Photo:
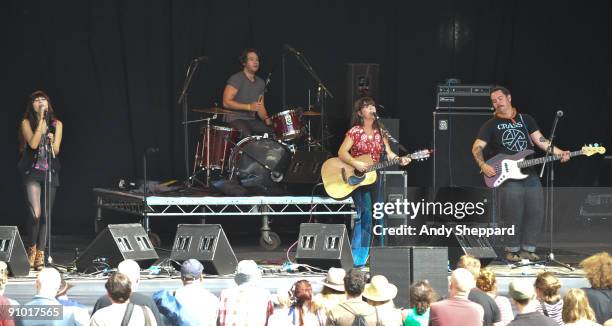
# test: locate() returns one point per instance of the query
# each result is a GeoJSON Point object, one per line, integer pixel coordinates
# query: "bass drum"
{"type": "Point", "coordinates": [250, 172]}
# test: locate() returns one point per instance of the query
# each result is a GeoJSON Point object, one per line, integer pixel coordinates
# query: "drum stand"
{"type": "Point", "coordinates": [192, 177]}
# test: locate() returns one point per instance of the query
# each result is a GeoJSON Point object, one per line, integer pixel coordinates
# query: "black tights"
{"type": "Point", "coordinates": [37, 219]}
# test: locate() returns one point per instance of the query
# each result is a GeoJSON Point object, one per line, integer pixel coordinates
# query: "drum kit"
{"type": "Point", "coordinates": [257, 161]}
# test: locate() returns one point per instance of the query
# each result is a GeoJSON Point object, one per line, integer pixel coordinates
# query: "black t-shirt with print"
{"type": "Point", "coordinates": [504, 136]}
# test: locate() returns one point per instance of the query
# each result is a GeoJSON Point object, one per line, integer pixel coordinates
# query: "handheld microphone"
{"type": "Point", "coordinates": [201, 59]}
{"type": "Point", "coordinates": [560, 113]}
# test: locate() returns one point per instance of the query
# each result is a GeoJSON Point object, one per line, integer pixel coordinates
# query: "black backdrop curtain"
{"type": "Point", "coordinates": [114, 70]}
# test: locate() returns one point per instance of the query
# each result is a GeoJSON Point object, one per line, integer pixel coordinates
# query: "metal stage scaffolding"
{"type": "Point", "coordinates": [203, 206]}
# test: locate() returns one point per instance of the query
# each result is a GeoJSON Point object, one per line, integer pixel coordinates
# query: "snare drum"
{"type": "Point", "coordinates": [249, 155]}
{"type": "Point", "coordinates": [287, 125]}
{"type": "Point", "coordinates": [214, 149]}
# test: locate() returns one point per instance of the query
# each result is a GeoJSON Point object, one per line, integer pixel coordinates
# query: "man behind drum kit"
{"type": "Point", "coordinates": [244, 94]}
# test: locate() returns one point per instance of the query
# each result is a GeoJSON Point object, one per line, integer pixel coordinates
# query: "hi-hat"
{"type": "Point", "coordinates": [213, 110]}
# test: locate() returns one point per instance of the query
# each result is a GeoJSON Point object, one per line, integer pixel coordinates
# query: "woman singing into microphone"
{"type": "Point", "coordinates": [364, 138]}
{"type": "Point", "coordinates": [40, 136]}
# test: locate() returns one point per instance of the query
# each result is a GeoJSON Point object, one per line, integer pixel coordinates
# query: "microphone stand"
{"type": "Point", "coordinates": [47, 191]}
{"type": "Point", "coordinates": [324, 91]}
{"type": "Point", "coordinates": [549, 208]}
{"type": "Point", "coordinates": [191, 69]}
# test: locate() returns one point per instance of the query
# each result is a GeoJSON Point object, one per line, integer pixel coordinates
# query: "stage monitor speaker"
{"type": "Point", "coordinates": [453, 135]}
{"type": "Point", "coordinates": [403, 266]}
{"type": "Point", "coordinates": [12, 251]}
{"type": "Point", "coordinates": [206, 243]}
{"type": "Point", "coordinates": [362, 79]}
{"type": "Point", "coordinates": [118, 242]}
{"type": "Point", "coordinates": [305, 167]}
{"type": "Point", "coordinates": [324, 246]}
{"type": "Point", "coordinates": [479, 247]}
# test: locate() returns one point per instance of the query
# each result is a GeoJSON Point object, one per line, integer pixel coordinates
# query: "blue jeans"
{"type": "Point", "coordinates": [364, 199]}
{"type": "Point", "coordinates": [522, 205]}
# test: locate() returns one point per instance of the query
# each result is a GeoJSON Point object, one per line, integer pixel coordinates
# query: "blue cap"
{"type": "Point", "coordinates": [191, 268]}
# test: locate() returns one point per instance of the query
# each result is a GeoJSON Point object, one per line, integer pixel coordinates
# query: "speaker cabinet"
{"type": "Point", "coordinates": [362, 79]}
{"type": "Point", "coordinates": [305, 167]}
{"type": "Point", "coordinates": [12, 251]}
{"type": "Point", "coordinates": [206, 243]}
{"type": "Point", "coordinates": [324, 246]}
{"type": "Point", "coordinates": [118, 242]}
{"type": "Point", "coordinates": [403, 266]}
{"type": "Point", "coordinates": [453, 135]}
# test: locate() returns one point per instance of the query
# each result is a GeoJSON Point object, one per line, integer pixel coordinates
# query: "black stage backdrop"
{"type": "Point", "coordinates": [114, 70]}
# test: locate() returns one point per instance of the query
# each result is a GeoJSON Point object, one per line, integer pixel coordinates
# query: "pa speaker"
{"type": "Point", "coordinates": [453, 135]}
{"type": "Point", "coordinates": [12, 251]}
{"type": "Point", "coordinates": [479, 247]}
{"type": "Point", "coordinates": [206, 243]}
{"type": "Point", "coordinates": [403, 266]}
{"type": "Point", "coordinates": [305, 167]}
{"type": "Point", "coordinates": [118, 242]}
{"type": "Point", "coordinates": [324, 246]}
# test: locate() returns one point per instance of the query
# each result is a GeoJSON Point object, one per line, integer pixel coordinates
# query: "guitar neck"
{"type": "Point", "coordinates": [385, 164]}
{"type": "Point", "coordinates": [545, 159]}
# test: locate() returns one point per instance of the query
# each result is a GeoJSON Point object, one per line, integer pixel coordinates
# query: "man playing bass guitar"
{"type": "Point", "coordinates": [364, 138]}
{"type": "Point", "coordinates": [521, 201]}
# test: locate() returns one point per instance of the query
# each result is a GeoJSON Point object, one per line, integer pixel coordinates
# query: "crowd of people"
{"type": "Point", "coordinates": [346, 298]}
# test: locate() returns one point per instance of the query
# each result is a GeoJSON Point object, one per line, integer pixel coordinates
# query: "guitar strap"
{"type": "Point", "coordinates": [526, 130]}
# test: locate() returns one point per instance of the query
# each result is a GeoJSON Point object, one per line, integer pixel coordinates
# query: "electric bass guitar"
{"type": "Point", "coordinates": [509, 166]}
{"type": "Point", "coordinates": [341, 179]}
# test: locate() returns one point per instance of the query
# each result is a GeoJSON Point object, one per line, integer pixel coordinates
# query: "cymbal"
{"type": "Point", "coordinates": [213, 110]}
{"type": "Point", "coordinates": [311, 113]}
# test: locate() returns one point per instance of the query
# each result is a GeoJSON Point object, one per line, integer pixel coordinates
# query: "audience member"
{"type": "Point", "coordinates": [547, 288]}
{"type": "Point", "coordinates": [80, 311]}
{"type": "Point", "coordinates": [332, 292]}
{"type": "Point", "coordinates": [457, 310]}
{"type": "Point", "coordinates": [190, 304]}
{"type": "Point", "coordinates": [576, 309]}
{"type": "Point", "coordinates": [422, 295]}
{"type": "Point", "coordinates": [131, 269]}
{"type": "Point", "coordinates": [598, 270]}
{"type": "Point", "coordinates": [4, 282]}
{"type": "Point", "coordinates": [487, 283]}
{"type": "Point", "coordinates": [4, 301]}
{"type": "Point", "coordinates": [121, 311]}
{"type": "Point", "coordinates": [354, 309]}
{"type": "Point", "coordinates": [523, 296]}
{"type": "Point", "coordinates": [282, 302]}
{"type": "Point", "coordinates": [491, 311]}
{"type": "Point", "coordinates": [248, 303]}
{"type": "Point", "coordinates": [379, 293]}
{"type": "Point", "coordinates": [47, 284]}
{"type": "Point", "coordinates": [302, 312]}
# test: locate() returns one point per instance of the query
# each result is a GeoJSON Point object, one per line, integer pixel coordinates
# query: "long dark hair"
{"type": "Point", "coordinates": [356, 119]}
{"type": "Point", "coordinates": [31, 117]}
{"type": "Point", "coordinates": [421, 296]}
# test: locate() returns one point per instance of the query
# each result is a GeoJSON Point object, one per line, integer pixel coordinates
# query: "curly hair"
{"type": "Point", "coordinates": [421, 296]}
{"type": "Point", "coordinates": [354, 282]}
{"type": "Point", "coordinates": [486, 281]}
{"type": "Point", "coordinates": [549, 285]}
{"type": "Point", "coordinates": [597, 269]}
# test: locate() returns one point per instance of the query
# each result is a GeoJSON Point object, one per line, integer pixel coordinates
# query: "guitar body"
{"type": "Point", "coordinates": [340, 180]}
{"type": "Point", "coordinates": [506, 168]}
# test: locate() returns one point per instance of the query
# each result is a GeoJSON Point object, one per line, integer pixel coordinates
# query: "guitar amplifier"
{"type": "Point", "coordinates": [463, 97]}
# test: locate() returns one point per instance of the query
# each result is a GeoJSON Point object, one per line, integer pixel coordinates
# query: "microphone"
{"type": "Point", "coordinates": [201, 59]}
{"type": "Point", "coordinates": [375, 115]}
{"type": "Point", "coordinates": [560, 113]}
{"type": "Point", "coordinates": [152, 150]}
{"type": "Point", "coordinates": [289, 48]}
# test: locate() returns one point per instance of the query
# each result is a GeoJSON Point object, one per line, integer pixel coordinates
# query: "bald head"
{"type": "Point", "coordinates": [461, 282]}
{"type": "Point", "coordinates": [48, 282]}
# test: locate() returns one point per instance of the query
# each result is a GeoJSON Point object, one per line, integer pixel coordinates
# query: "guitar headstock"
{"type": "Point", "coordinates": [421, 155]}
{"type": "Point", "coordinates": [593, 149]}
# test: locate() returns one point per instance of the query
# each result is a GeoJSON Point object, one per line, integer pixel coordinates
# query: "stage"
{"type": "Point", "coordinates": [88, 288]}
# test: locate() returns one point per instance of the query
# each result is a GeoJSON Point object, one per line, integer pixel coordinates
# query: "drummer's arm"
{"type": "Point", "coordinates": [263, 113]}
{"type": "Point", "coordinates": [228, 100]}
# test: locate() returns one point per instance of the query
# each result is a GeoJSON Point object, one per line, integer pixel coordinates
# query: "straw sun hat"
{"type": "Point", "coordinates": [379, 289]}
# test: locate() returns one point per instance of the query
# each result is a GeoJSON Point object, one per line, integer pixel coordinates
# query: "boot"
{"type": "Point", "coordinates": [39, 260]}
{"type": "Point", "coordinates": [31, 255]}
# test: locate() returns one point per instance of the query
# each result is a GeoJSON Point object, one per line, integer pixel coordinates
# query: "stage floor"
{"type": "Point", "coordinates": [88, 288]}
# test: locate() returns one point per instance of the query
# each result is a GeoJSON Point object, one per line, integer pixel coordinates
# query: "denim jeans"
{"type": "Point", "coordinates": [364, 199]}
{"type": "Point", "coordinates": [522, 205]}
